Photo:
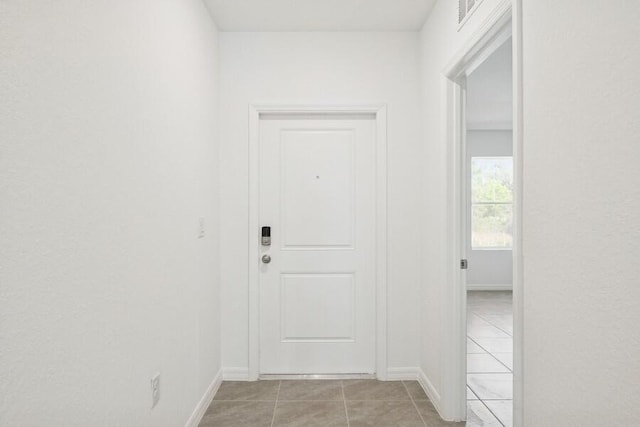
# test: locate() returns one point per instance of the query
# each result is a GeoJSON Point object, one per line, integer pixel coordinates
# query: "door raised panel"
{"type": "Point", "coordinates": [317, 170]}
{"type": "Point", "coordinates": [317, 307]}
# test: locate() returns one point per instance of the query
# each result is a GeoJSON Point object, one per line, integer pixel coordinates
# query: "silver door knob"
{"type": "Point", "coordinates": [266, 259]}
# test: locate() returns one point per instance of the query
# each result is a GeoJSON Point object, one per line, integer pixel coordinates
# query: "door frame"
{"type": "Point", "coordinates": [504, 21]}
{"type": "Point", "coordinates": [379, 111]}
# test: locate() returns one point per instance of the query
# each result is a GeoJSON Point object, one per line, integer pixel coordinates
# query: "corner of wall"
{"type": "Point", "coordinates": [205, 401]}
{"type": "Point", "coordinates": [430, 390]}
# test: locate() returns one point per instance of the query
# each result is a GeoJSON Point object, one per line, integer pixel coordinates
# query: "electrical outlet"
{"type": "Point", "coordinates": [155, 390]}
{"type": "Point", "coordinates": [201, 228]}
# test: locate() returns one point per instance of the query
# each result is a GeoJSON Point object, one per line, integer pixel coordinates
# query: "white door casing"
{"type": "Point", "coordinates": [317, 295]}
{"type": "Point", "coordinates": [503, 22]}
{"type": "Point", "coordinates": [378, 112]}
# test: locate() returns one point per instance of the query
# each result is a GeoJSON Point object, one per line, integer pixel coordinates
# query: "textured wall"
{"type": "Point", "coordinates": [581, 212]}
{"type": "Point", "coordinates": [440, 39]}
{"type": "Point", "coordinates": [581, 206]}
{"type": "Point", "coordinates": [327, 68]}
{"type": "Point", "coordinates": [108, 153]}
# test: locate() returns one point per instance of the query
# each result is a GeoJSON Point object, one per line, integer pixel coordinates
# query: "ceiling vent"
{"type": "Point", "coordinates": [465, 7]}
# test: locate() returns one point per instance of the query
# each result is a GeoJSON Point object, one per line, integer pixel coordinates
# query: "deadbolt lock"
{"type": "Point", "coordinates": [266, 236]}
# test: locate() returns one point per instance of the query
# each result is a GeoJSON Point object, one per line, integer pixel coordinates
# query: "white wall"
{"type": "Point", "coordinates": [490, 92]}
{"type": "Point", "coordinates": [487, 268]}
{"type": "Point", "coordinates": [108, 147]}
{"type": "Point", "coordinates": [582, 212]}
{"type": "Point", "coordinates": [581, 206]}
{"type": "Point", "coordinates": [324, 68]}
{"type": "Point", "coordinates": [439, 41]}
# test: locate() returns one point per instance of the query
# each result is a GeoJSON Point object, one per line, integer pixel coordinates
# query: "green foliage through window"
{"type": "Point", "coordinates": [491, 202]}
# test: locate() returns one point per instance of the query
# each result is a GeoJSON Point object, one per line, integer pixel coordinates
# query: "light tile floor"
{"type": "Point", "coordinates": [489, 359]}
{"type": "Point", "coordinates": [311, 403]}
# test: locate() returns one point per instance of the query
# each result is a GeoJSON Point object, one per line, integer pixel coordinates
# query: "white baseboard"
{"type": "Point", "coordinates": [431, 391]}
{"type": "Point", "coordinates": [235, 374]}
{"type": "Point", "coordinates": [204, 403]}
{"type": "Point", "coordinates": [404, 374]}
{"type": "Point", "coordinates": [489, 287]}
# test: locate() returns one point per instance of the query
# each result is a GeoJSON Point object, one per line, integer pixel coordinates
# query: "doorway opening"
{"type": "Point", "coordinates": [488, 180]}
{"type": "Point", "coordinates": [485, 187]}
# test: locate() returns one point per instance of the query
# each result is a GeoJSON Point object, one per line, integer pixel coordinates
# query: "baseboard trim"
{"type": "Point", "coordinates": [204, 403]}
{"type": "Point", "coordinates": [430, 390]}
{"type": "Point", "coordinates": [235, 374]}
{"type": "Point", "coordinates": [489, 287]}
{"type": "Point", "coordinates": [403, 374]}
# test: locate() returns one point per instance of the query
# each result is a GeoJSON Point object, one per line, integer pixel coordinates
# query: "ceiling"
{"type": "Point", "coordinates": [320, 15]}
{"type": "Point", "coordinates": [490, 92]}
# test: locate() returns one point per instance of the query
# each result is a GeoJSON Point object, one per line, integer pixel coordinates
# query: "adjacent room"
{"type": "Point", "coordinates": [489, 239]}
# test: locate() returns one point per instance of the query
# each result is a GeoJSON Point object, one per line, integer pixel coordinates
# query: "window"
{"type": "Point", "coordinates": [491, 202]}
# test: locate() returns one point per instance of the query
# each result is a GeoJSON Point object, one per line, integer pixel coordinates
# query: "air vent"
{"type": "Point", "coordinates": [465, 7]}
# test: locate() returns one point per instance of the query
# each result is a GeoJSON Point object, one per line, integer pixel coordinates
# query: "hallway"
{"type": "Point", "coordinates": [196, 194]}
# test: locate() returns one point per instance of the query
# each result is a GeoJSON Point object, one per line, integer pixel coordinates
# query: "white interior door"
{"type": "Point", "coordinates": [317, 295]}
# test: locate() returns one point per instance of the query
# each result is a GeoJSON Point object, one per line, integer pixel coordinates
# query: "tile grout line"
{"type": "Point", "coordinates": [491, 353]}
{"type": "Point", "coordinates": [414, 404]}
{"type": "Point", "coordinates": [495, 400]}
{"type": "Point", "coordinates": [509, 371]}
{"type": "Point", "coordinates": [483, 401]}
{"type": "Point", "coordinates": [492, 324]}
{"type": "Point", "coordinates": [476, 343]}
{"type": "Point", "coordinates": [503, 364]}
{"type": "Point", "coordinates": [389, 400]}
{"type": "Point", "coordinates": [344, 400]}
{"type": "Point", "coordinates": [275, 405]}
{"type": "Point", "coordinates": [494, 415]}
{"type": "Point", "coordinates": [493, 312]}
{"type": "Point", "coordinates": [509, 338]}
{"type": "Point", "coordinates": [474, 393]}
